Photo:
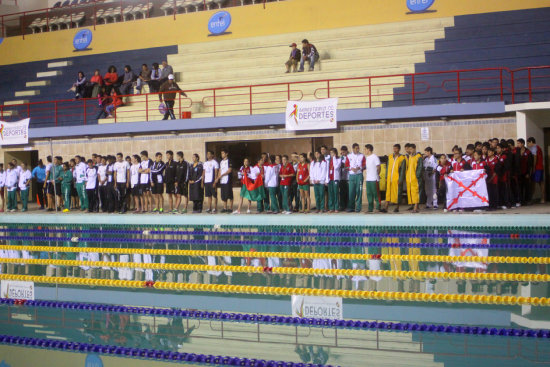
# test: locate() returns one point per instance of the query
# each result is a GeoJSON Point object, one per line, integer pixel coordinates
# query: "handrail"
{"type": "Point", "coordinates": [501, 83]}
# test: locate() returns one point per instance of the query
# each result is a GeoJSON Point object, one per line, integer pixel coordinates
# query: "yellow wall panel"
{"type": "Point", "coordinates": [247, 21]}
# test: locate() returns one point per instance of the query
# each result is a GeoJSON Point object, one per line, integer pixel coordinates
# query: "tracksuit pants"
{"type": "Point", "coordinates": [355, 199]}
{"type": "Point", "coordinates": [121, 197]}
{"type": "Point", "coordinates": [373, 195]}
{"type": "Point", "coordinates": [82, 196]}
{"type": "Point", "coordinates": [319, 190]}
{"type": "Point", "coordinates": [274, 207]}
{"type": "Point", "coordinates": [286, 202]}
{"type": "Point", "coordinates": [102, 195]}
{"type": "Point", "coordinates": [344, 194]}
{"type": "Point", "coordinates": [12, 200]}
{"type": "Point", "coordinates": [24, 199]}
{"type": "Point", "coordinates": [92, 199]}
{"type": "Point", "coordinates": [430, 189]}
{"type": "Point", "coordinates": [66, 192]}
{"type": "Point", "coordinates": [333, 195]}
{"type": "Point", "coordinates": [295, 196]}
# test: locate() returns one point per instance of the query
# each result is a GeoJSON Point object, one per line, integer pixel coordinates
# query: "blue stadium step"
{"type": "Point", "coordinates": [503, 31]}
{"type": "Point", "coordinates": [504, 17]}
{"type": "Point", "coordinates": [496, 52]}
{"type": "Point", "coordinates": [514, 40]}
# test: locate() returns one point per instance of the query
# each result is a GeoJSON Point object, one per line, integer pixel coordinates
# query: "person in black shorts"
{"type": "Point", "coordinates": [170, 179]}
{"type": "Point", "coordinates": [145, 181]}
{"type": "Point", "coordinates": [74, 193]}
{"type": "Point", "coordinates": [157, 183]}
{"type": "Point", "coordinates": [225, 181]}
{"type": "Point", "coordinates": [182, 178]}
{"type": "Point", "coordinates": [209, 175]}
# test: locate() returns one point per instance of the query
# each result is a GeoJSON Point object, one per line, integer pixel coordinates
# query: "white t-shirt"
{"type": "Point", "coordinates": [48, 169]}
{"type": "Point", "coordinates": [254, 172]}
{"type": "Point", "coordinates": [224, 167]}
{"type": "Point", "coordinates": [24, 176]}
{"type": "Point", "coordinates": [91, 178]}
{"type": "Point", "coordinates": [209, 170]}
{"type": "Point", "coordinates": [102, 173]}
{"type": "Point", "coordinates": [144, 178]}
{"type": "Point", "coordinates": [134, 174]}
{"type": "Point", "coordinates": [121, 168]}
{"type": "Point", "coordinates": [372, 172]}
{"type": "Point", "coordinates": [80, 172]}
{"type": "Point", "coordinates": [270, 177]}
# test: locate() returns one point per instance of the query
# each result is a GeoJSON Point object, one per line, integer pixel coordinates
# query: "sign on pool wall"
{"type": "Point", "coordinates": [317, 307]}
{"type": "Point", "coordinates": [82, 39]}
{"type": "Point", "coordinates": [14, 289]}
{"type": "Point", "coordinates": [219, 23]}
{"type": "Point", "coordinates": [312, 115]}
{"type": "Point", "coordinates": [418, 6]}
{"type": "Point", "coordinates": [13, 133]}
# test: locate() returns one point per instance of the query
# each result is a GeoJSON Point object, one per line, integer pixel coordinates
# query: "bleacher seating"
{"type": "Point", "coordinates": [513, 39]}
{"type": "Point", "coordinates": [56, 76]}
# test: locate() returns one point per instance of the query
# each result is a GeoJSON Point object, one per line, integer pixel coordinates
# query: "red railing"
{"type": "Point", "coordinates": [454, 86]}
{"type": "Point", "coordinates": [21, 23]}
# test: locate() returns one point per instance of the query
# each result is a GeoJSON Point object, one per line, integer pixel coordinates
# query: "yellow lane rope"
{"type": "Point", "coordinates": [286, 291]}
{"type": "Point", "coordinates": [290, 270]}
{"type": "Point", "coordinates": [290, 255]}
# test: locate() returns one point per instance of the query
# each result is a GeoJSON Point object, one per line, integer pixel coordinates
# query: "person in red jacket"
{"type": "Point", "coordinates": [110, 79]}
{"type": "Point", "coordinates": [492, 178]}
{"type": "Point", "coordinates": [503, 172]}
{"type": "Point", "coordinates": [286, 173]}
{"type": "Point", "coordinates": [115, 102]}
{"type": "Point", "coordinates": [525, 172]}
{"type": "Point", "coordinates": [538, 164]}
{"type": "Point", "coordinates": [302, 176]}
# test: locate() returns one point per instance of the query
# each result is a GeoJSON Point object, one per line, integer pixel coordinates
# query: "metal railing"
{"type": "Point", "coordinates": [454, 86]}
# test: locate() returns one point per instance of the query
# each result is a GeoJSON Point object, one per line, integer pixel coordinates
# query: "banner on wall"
{"type": "Point", "coordinates": [317, 307]}
{"type": "Point", "coordinates": [312, 115]}
{"type": "Point", "coordinates": [467, 189]}
{"type": "Point", "coordinates": [13, 133]}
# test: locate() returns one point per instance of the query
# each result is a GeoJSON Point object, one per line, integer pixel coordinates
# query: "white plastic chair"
{"type": "Point", "coordinates": [167, 6]}
{"type": "Point", "coordinates": [219, 2]}
{"type": "Point", "coordinates": [126, 12]}
{"type": "Point", "coordinates": [78, 18]}
{"type": "Point", "coordinates": [107, 14]}
{"type": "Point", "coordinates": [64, 20]}
{"type": "Point", "coordinates": [99, 15]}
{"type": "Point", "coordinates": [196, 4]}
{"type": "Point", "coordinates": [146, 9]}
{"type": "Point", "coordinates": [136, 10]}
{"type": "Point", "coordinates": [53, 22]}
{"type": "Point", "coordinates": [34, 25]}
{"type": "Point", "coordinates": [115, 14]}
{"type": "Point", "coordinates": [187, 4]}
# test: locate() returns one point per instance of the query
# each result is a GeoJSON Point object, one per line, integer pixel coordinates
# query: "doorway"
{"type": "Point", "coordinates": [30, 157]}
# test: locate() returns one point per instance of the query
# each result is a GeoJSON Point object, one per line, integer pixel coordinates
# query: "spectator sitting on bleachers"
{"type": "Point", "coordinates": [95, 83]}
{"type": "Point", "coordinates": [114, 103]}
{"type": "Point", "coordinates": [127, 81]}
{"type": "Point", "coordinates": [166, 70]}
{"type": "Point", "coordinates": [154, 83]}
{"type": "Point", "coordinates": [309, 53]}
{"type": "Point", "coordinates": [168, 90]}
{"type": "Point", "coordinates": [111, 80]}
{"type": "Point", "coordinates": [144, 77]}
{"type": "Point", "coordinates": [79, 85]}
{"type": "Point", "coordinates": [295, 56]}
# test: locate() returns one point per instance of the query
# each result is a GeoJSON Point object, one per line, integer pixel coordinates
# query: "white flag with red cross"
{"type": "Point", "coordinates": [467, 189]}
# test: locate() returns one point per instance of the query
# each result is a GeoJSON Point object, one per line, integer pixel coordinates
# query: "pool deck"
{"type": "Point", "coordinates": [529, 216]}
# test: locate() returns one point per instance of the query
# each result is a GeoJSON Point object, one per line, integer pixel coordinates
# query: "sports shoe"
{"type": "Point", "coordinates": [213, 211]}
{"type": "Point", "coordinates": [155, 210]}
{"type": "Point", "coordinates": [184, 211]}
{"type": "Point", "coordinates": [518, 205]}
{"type": "Point", "coordinates": [504, 207]}
{"type": "Point", "coordinates": [161, 210]}
{"type": "Point", "coordinates": [207, 210]}
{"type": "Point", "coordinates": [174, 211]}
{"type": "Point", "coordinates": [248, 211]}
{"type": "Point", "coordinates": [236, 212]}
{"type": "Point", "coordinates": [66, 210]}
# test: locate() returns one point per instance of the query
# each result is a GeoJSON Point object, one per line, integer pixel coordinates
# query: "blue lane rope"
{"type": "Point", "coordinates": [511, 246]}
{"type": "Point", "coordinates": [287, 320]}
{"type": "Point", "coordinates": [288, 234]}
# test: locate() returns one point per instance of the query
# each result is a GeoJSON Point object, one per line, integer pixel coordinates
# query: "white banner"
{"type": "Point", "coordinates": [317, 307]}
{"type": "Point", "coordinates": [466, 247]}
{"type": "Point", "coordinates": [13, 133]}
{"type": "Point", "coordinates": [467, 189]}
{"type": "Point", "coordinates": [313, 115]}
{"type": "Point", "coordinates": [16, 289]}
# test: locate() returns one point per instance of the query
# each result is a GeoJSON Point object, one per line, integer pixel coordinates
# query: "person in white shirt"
{"type": "Point", "coordinates": [49, 186]}
{"type": "Point", "coordinates": [25, 179]}
{"type": "Point", "coordinates": [318, 177]}
{"type": "Point", "coordinates": [210, 173]}
{"type": "Point", "coordinates": [91, 187]}
{"type": "Point", "coordinates": [102, 183]}
{"type": "Point", "coordinates": [333, 180]}
{"type": "Point", "coordinates": [271, 182]}
{"type": "Point", "coordinates": [2, 186]}
{"type": "Point", "coordinates": [356, 163]}
{"type": "Point", "coordinates": [80, 181]}
{"type": "Point", "coordinates": [430, 166]}
{"type": "Point", "coordinates": [326, 156]}
{"type": "Point", "coordinates": [122, 174]}
{"type": "Point", "coordinates": [135, 187]}
{"type": "Point", "coordinates": [372, 170]}
{"type": "Point", "coordinates": [145, 182]}
{"type": "Point", "coordinates": [225, 180]}
{"type": "Point", "coordinates": [12, 179]}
